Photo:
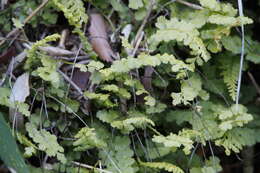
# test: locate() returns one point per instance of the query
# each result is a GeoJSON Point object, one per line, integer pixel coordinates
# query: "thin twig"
{"type": "Point", "coordinates": [17, 30]}
{"type": "Point", "coordinates": [64, 35]}
{"type": "Point", "coordinates": [35, 11]}
{"type": "Point", "coordinates": [89, 167]}
{"type": "Point", "coordinates": [254, 82]}
{"type": "Point", "coordinates": [75, 86]}
{"type": "Point", "coordinates": [141, 28]}
{"type": "Point", "coordinates": [194, 6]}
{"type": "Point", "coordinates": [138, 42]}
{"type": "Point", "coordinates": [66, 106]}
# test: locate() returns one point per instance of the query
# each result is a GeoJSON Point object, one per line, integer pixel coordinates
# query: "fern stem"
{"type": "Point", "coordinates": [240, 7]}
{"type": "Point", "coordinates": [194, 6]}
{"type": "Point", "coordinates": [44, 2]}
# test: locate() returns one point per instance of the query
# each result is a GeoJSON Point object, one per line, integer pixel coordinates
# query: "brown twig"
{"type": "Point", "coordinates": [44, 2]}
{"type": "Point", "coordinates": [80, 58]}
{"type": "Point", "coordinates": [141, 28]}
{"type": "Point", "coordinates": [89, 167]}
{"type": "Point", "coordinates": [138, 42]}
{"type": "Point", "coordinates": [71, 83]}
{"type": "Point", "coordinates": [254, 82]}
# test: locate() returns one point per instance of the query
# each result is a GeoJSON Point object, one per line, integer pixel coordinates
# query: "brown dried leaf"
{"type": "Point", "coordinates": [80, 78]}
{"type": "Point", "coordinates": [20, 91]}
{"type": "Point", "coordinates": [98, 37]}
{"type": "Point", "coordinates": [7, 55]}
{"type": "Point", "coordinates": [56, 51]}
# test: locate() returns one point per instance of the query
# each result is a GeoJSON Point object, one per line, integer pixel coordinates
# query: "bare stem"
{"type": "Point", "coordinates": [254, 82]}
{"type": "Point", "coordinates": [141, 28]}
{"type": "Point", "coordinates": [89, 167]}
{"type": "Point", "coordinates": [194, 6]}
{"type": "Point", "coordinates": [71, 83]}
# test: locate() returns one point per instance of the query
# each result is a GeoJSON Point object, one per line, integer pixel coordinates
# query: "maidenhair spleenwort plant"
{"type": "Point", "coordinates": [127, 119]}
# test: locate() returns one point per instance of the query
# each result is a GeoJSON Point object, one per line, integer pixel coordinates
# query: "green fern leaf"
{"type": "Point", "coordinates": [223, 8]}
{"type": "Point", "coordinates": [210, 4]}
{"type": "Point", "coordinates": [190, 89]}
{"type": "Point", "coordinates": [175, 141]}
{"type": "Point", "coordinates": [100, 98]}
{"type": "Point", "coordinates": [126, 125]}
{"type": "Point", "coordinates": [129, 124]}
{"type": "Point", "coordinates": [235, 139]}
{"type": "Point", "coordinates": [211, 166]}
{"type": "Point", "coordinates": [118, 156]}
{"type": "Point", "coordinates": [32, 54]}
{"type": "Point", "coordinates": [30, 148]}
{"type": "Point", "coordinates": [121, 92]}
{"type": "Point", "coordinates": [87, 139]}
{"type": "Point", "coordinates": [49, 71]}
{"type": "Point", "coordinates": [46, 142]}
{"type": "Point", "coordinates": [229, 21]}
{"type": "Point", "coordinates": [126, 64]}
{"type": "Point", "coordinates": [135, 4]}
{"type": "Point", "coordinates": [230, 70]}
{"type": "Point", "coordinates": [181, 31]}
{"type": "Point", "coordinates": [162, 165]}
{"type": "Point", "coordinates": [73, 10]}
{"type": "Point", "coordinates": [234, 116]}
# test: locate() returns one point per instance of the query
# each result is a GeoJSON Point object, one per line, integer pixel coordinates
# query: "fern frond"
{"type": "Point", "coordinates": [30, 148]}
{"type": "Point", "coordinates": [126, 125]}
{"type": "Point", "coordinates": [87, 139]}
{"type": "Point", "coordinates": [181, 31]}
{"type": "Point", "coordinates": [211, 165]}
{"type": "Point", "coordinates": [46, 142]}
{"type": "Point", "coordinates": [32, 53]}
{"type": "Point", "coordinates": [229, 21]}
{"type": "Point", "coordinates": [100, 98]}
{"type": "Point", "coordinates": [173, 140]}
{"type": "Point", "coordinates": [162, 165]}
{"type": "Point", "coordinates": [115, 89]}
{"type": "Point", "coordinates": [235, 139]}
{"type": "Point", "coordinates": [126, 64]}
{"type": "Point", "coordinates": [118, 156]}
{"type": "Point", "coordinates": [190, 89]}
{"type": "Point", "coordinates": [230, 70]}
{"type": "Point", "coordinates": [235, 116]}
{"type": "Point", "coordinates": [73, 10]}
{"type": "Point", "coordinates": [129, 124]}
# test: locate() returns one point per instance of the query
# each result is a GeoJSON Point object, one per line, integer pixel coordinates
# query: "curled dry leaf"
{"type": "Point", "coordinates": [20, 89]}
{"type": "Point", "coordinates": [98, 37]}
{"type": "Point", "coordinates": [56, 51]}
{"type": "Point", "coordinates": [19, 93]}
{"type": "Point", "coordinates": [81, 79]}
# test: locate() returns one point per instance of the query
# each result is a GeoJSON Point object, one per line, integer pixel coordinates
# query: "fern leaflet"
{"type": "Point", "coordinates": [162, 165]}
